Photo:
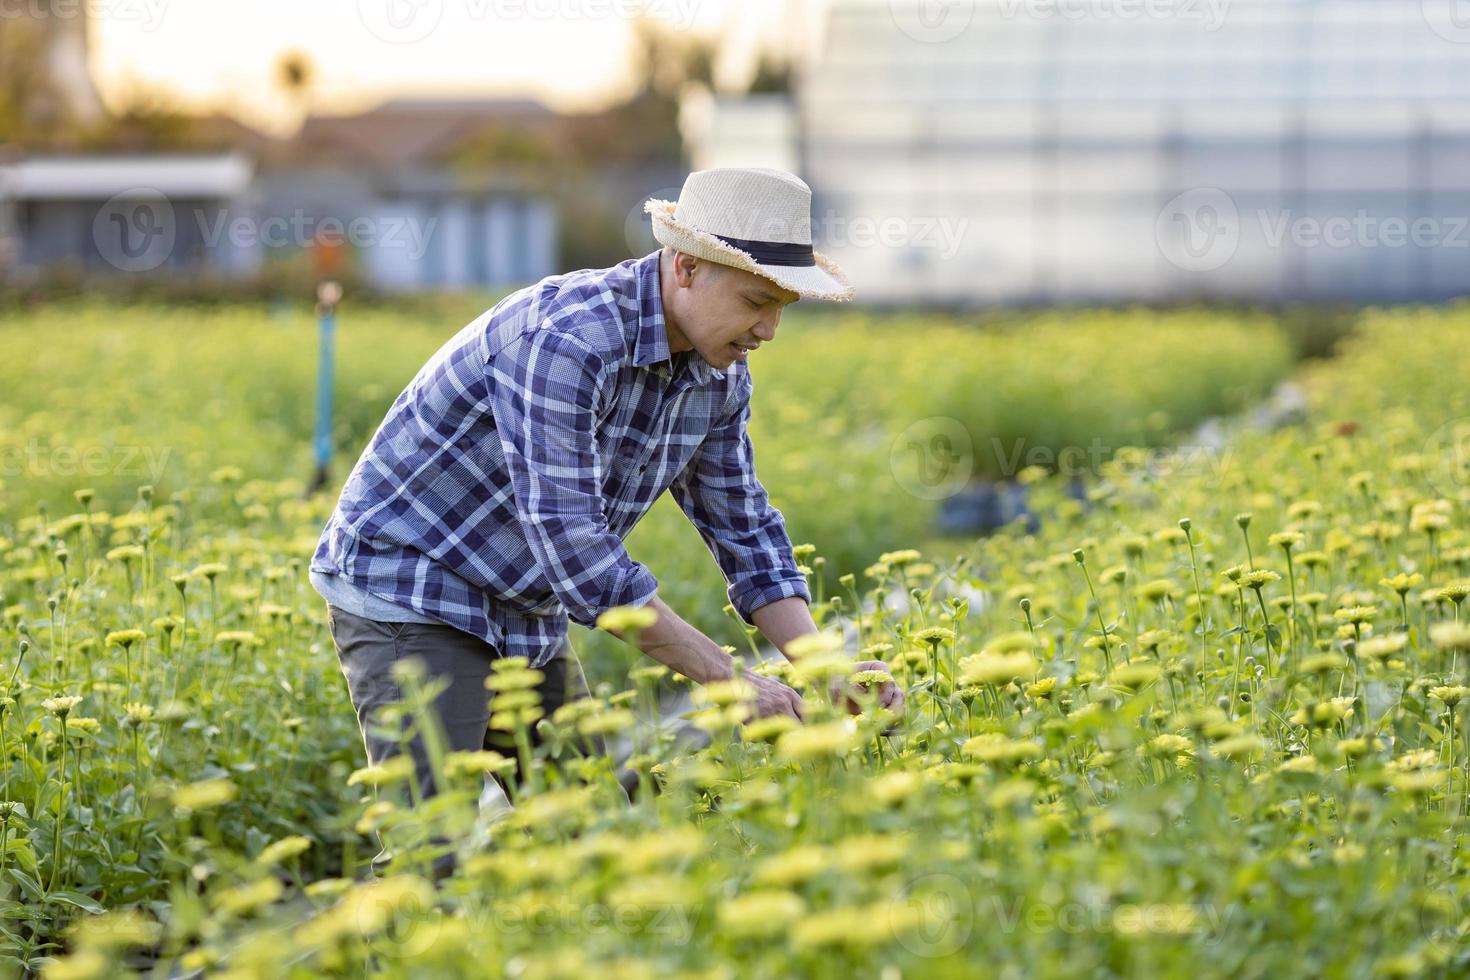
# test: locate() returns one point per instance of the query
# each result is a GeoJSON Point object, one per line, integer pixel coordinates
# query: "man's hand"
{"type": "Point", "coordinates": [890, 695]}
{"type": "Point", "coordinates": [687, 651]}
{"type": "Point", "coordinates": [772, 697]}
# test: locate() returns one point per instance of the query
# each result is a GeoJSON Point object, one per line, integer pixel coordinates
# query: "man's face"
{"type": "Point", "coordinates": [725, 312]}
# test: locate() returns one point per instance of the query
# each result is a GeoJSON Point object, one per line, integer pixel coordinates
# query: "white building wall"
{"type": "Point", "coordinates": [1039, 152]}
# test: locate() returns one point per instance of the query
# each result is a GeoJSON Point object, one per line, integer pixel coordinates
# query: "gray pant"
{"type": "Point", "coordinates": [367, 650]}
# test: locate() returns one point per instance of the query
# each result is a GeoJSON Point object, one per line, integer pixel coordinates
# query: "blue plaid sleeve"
{"type": "Point", "coordinates": [719, 493]}
{"type": "Point", "coordinates": [545, 389]}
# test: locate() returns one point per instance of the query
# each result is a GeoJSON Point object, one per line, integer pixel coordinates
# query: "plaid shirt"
{"type": "Point", "coordinates": [496, 494]}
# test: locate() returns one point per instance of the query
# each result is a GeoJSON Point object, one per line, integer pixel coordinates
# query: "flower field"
{"type": "Point", "coordinates": [1208, 721]}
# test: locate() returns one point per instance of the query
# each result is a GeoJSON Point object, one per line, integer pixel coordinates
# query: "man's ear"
{"type": "Point", "coordinates": [684, 267]}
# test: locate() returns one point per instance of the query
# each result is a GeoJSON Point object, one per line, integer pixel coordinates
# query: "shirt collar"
{"type": "Point", "coordinates": [651, 338]}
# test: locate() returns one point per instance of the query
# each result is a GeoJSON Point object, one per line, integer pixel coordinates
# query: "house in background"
{"type": "Point", "coordinates": [422, 222]}
{"type": "Point", "coordinates": [381, 181]}
{"type": "Point", "coordinates": [126, 214]}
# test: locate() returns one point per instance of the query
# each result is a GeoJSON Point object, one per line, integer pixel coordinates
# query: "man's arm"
{"type": "Point", "coordinates": [783, 621]}
{"type": "Point", "coordinates": [545, 397]}
{"type": "Point", "coordinates": [683, 649]}
{"type": "Point", "coordinates": [720, 494]}
{"type": "Point", "coordinates": [544, 392]}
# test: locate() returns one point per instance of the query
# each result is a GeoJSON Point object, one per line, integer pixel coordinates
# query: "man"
{"type": "Point", "coordinates": [490, 506]}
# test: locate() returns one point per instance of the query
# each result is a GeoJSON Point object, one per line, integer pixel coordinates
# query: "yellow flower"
{"type": "Point", "coordinates": [1451, 695]}
{"type": "Point", "coordinates": [1401, 583]}
{"type": "Point", "coordinates": [1450, 636]}
{"type": "Point", "coordinates": [993, 747]}
{"type": "Point", "coordinates": [125, 638]}
{"type": "Point", "coordinates": [793, 866]}
{"type": "Point", "coordinates": [935, 635]}
{"type": "Point", "coordinates": [1239, 747]}
{"type": "Point", "coordinates": [1355, 614]}
{"type": "Point", "coordinates": [894, 787]}
{"type": "Point", "coordinates": [61, 706]}
{"type": "Point", "coordinates": [244, 899]}
{"type": "Point", "coordinates": [84, 964]}
{"type": "Point", "coordinates": [814, 644]}
{"type": "Point", "coordinates": [769, 728]}
{"type": "Point", "coordinates": [1135, 675]}
{"type": "Point", "coordinates": [204, 794]}
{"type": "Point", "coordinates": [623, 619]}
{"type": "Point", "coordinates": [1168, 744]}
{"type": "Point", "coordinates": [1382, 647]}
{"type": "Point", "coordinates": [828, 740]}
{"type": "Point", "coordinates": [392, 770]}
{"type": "Point", "coordinates": [1042, 689]}
{"type": "Point", "coordinates": [478, 762]}
{"type": "Point", "coordinates": [283, 849]}
{"type": "Point", "coordinates": [865, 852]}
{"type": "Point", "coordinates": [997, 668]}
{"type": "Point", "coordinates": [760, 913]}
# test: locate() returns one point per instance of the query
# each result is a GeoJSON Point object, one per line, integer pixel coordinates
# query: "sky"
{"type": "Point", "coordinates": [569, 53]}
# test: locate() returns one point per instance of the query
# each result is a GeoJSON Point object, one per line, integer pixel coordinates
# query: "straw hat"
{"type": "Point", "coordinates": [753, 218]}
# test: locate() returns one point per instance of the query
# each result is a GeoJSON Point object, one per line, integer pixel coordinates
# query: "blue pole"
{"type": "Point", "coordinates": [328, 294]}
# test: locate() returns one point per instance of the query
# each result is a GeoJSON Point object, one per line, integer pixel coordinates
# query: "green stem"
{"type": "Point", "coordinates": [60, 815]}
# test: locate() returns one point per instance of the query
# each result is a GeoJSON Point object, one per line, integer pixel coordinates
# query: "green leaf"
{"type": "Point", "coordinates": [29, 885]}
{"type": "Point", "coordinates": [79, 900]}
